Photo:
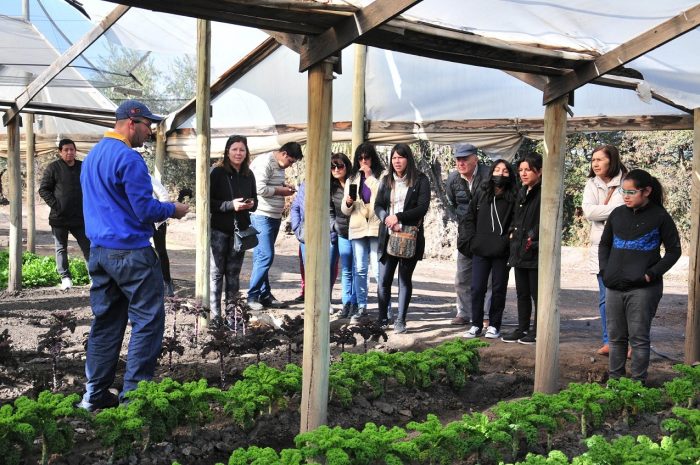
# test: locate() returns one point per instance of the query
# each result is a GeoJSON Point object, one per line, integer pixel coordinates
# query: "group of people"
{"type": "Point", "coordinates": [372, 209]}
{"type": "Point", "coordinates": [499, 230]}
{"type": "Point", "coordinates": [367, 204]}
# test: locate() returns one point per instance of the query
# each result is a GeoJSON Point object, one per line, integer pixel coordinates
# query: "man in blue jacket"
{"type": "Point", "coordinates": [127, 283]}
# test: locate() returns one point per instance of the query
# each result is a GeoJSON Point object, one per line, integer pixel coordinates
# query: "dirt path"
{"type": "Point", "coordinates": [431, 310]}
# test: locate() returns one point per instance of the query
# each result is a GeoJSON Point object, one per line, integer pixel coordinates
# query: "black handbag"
{"type": "Point", "coordinates": [244, 240]}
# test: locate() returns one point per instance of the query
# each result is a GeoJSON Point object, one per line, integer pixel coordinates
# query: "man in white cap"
{"type": "Point", "coordinates": [462, 183]}
{"type": "Point", "coordinates": [127, 282]}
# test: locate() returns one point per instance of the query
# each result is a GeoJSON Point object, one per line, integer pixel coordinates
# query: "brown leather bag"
{"type": "Point", "coordinates": [402, 244]}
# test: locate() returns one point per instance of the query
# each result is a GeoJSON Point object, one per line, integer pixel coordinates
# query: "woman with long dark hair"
{"type": "Point", "coordinates": [402, 200]}
{"type": "Point", "coordinates": [630, 261]}
{"type": "Point", "coordinates": [363, 227]}
{"type": "Point", "coordinates": [524, 248]}
{"type": "Point", "coordinates": [340, 171]}
{"type": "Point", "coordinates": [483, 235]}
{"type": "Point", "coordinates": [232, 197]}
{"type": "Point", "coordinates": [600, 197]}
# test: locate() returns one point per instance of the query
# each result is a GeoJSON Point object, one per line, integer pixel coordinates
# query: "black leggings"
{"type": "Point", "coordinates": [526, 289]}
{"type": "Point", "coordinates": [387, 267]}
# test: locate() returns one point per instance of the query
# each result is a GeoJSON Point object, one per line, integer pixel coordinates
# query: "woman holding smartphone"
{"type": "Point", "coordinates": [363, 228]}
{"type": "Point", "coordinates": [233, 197]}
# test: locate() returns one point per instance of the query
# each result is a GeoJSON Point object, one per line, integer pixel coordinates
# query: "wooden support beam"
{"type": "Point", "coordinates": [358, 97]}
{"type": "Point", "coordinates": [62, 62]}
{"type": "Point", "coordinates": [228, 78]}
{"type": "Point", "coordinates": [349, 29]}
{"type": "Point", "coordinates": [203, 127]}
{"type": "Point", "coordinates": [314, 391]}
{"type": "Point", "coordinates": [643, 43]}
{"type": "Point", "coordinates": [159, 162]}
{"type": "Point", "coordinates": [692, 326]}
{"type": "Point", "coordinates": [31, 182]}
{"type": "Point", "coordinates": [549, 265]}
{"type": "Point", "coordinates": [14, 173]}
{"type": "Point", "coordinates": [294, 42]}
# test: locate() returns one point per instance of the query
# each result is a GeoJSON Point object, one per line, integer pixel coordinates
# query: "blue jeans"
{"type": "Point", "coordinates": [347, 270]}
{"type": "Point", "coordinates": [333, 257]}
{"type": "Point", "coordinates": [263, 255]}
{"type": "Point", "coordinates": [127, 285]}
{"type": "Point", "coordinates": [601, 307]}
{"type": "Point", "coordinates": [364, 249]}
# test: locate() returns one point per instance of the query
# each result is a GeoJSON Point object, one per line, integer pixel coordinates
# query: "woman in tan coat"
{"type": "Point", "coordinates": [363, 230]}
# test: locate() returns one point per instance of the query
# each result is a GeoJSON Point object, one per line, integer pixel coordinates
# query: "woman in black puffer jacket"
{"type": "Point", "coordinates": [483, 235]}
{"type": "Point", "coordinates": [524, 248]}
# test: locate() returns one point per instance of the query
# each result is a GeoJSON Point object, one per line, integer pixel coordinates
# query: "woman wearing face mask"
{"type": "Point", "coordinates": [403, 199]}
{"type": "Point", "coordinates": [630, 261]}
{"type": "Point", "coordinates": [600, 197]}
{"type": "Point", "coordinates": [483, 235]}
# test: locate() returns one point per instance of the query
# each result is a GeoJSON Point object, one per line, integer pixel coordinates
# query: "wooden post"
{"type": "Point", "coordinates": [14, 173]}
{"type": "Point", "coordinates": [31, 187]}
{"type": "Point", "coordinates": [692, 326]}
{"type": "Point", "coordinates": [203, 115]}
{"type": "Point", "coordinates": [159, 162]}
{"type": "Point", "coordinates": [547, 348]}
{"type": "Point", "coordinates": [358, 97]}
{"type": "Point", "coordinates": [314, 391]}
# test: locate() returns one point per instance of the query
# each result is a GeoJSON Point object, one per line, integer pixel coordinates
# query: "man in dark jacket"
{"type": "Point", "coordinates": [60, 189]}
{"type": "Point", "coordinates": [461, 186]}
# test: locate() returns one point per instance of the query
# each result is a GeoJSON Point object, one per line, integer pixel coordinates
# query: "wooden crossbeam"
{"type": "Point", "coordinates": [638, 46]}
{"type": "Point", "coordinates": [62, 62]}
{"type": "Point", "coordinates": [227, 79]}
{"type": "Point", "coordinates": [540, 82]}
{"type": "Point", "coordinates": [336, 38]}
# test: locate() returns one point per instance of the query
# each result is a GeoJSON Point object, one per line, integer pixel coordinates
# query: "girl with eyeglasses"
{"type": "Point", "coordinates": [403, 199]}
{"type": "Point", "coordinates": [363, 227]}
{"type": "Point", "coordinates": [233, 196]}
{"type": "Point", "coordinates": [632, 268]}
{"type": "Point", "coordinates": [600, 198]}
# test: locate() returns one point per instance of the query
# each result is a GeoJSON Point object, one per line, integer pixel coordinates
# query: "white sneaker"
{"type": "Point", "coordinates": [492, 333]}
{"type": "Point", "coordinates": [66, 283]}
{"type": "Point", "coordinates": [472, 332]}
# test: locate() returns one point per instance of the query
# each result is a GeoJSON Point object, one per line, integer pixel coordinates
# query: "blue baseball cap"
{"type": "Point", "coordinates": [135, 109]}
{"type": "Point", "coordinates": [464, 150]}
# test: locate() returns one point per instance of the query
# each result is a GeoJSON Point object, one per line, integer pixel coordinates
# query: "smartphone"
{"type": "Point", "coordinates": [353, 192]}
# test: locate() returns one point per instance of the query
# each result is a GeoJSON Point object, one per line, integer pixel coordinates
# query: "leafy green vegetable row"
{"type": "Point", "coordinates": [38, 271]}
{"type": "Point", "coordinates": [156, 408]}
{"type": "Point", "coordinates": [476, 438]}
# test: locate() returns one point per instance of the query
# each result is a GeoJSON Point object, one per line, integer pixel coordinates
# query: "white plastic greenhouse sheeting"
{"type": "Point", "coordinates": [673, 69]}
{"type": "Point", "coordinates": [24, 50]}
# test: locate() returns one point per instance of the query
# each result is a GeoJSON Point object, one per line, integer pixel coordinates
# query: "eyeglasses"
{"type": "Point", "coordinates": [145, 123]}
{"type": "Point", "coordinates": [364, 156]}
{"type": "Point", "coordinates": [628, 191]}
{"type": "Point", "coordinates": [337, 166]}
